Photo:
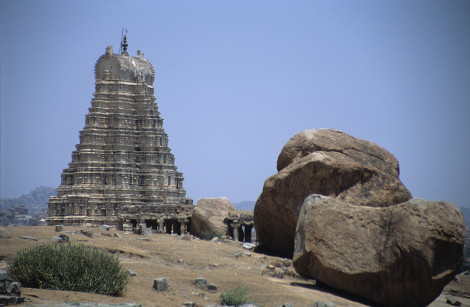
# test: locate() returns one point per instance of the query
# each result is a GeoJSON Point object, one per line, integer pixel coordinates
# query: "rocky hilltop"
{"type": "Point", "coordinates": [35, 201]}
{"type": "Point", "coordinates": [28, 209]}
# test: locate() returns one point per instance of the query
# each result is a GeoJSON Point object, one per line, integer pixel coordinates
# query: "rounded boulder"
{"type": "Point", "coordinates": [209, 215]}
{"type": "Point", "coordinates": [401, 255]}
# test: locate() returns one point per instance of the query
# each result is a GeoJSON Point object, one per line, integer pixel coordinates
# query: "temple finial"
{"type": "Point", "coordinates": [124, 42]}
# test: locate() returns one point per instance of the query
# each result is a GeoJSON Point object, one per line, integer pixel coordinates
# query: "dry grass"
{"type": "Point", "coordinates": [180, 262]}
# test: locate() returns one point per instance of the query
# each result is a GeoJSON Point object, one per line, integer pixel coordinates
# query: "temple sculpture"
{"type": "Point", "coordinates": [122, 172]}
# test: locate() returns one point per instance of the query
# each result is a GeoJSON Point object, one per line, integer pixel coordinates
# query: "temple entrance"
{"type": "Point", "coordinates": [172, 226]}
{"type": "Point", "coordinates": [153, 224]}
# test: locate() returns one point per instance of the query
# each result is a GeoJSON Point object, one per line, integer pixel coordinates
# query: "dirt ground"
{"type": "Point", "coordinates": [180, 262]}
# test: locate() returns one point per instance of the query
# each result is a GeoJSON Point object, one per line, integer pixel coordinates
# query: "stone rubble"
{"type": "Point", "coordinates": [131, 272]}
{"type": "Point", "coordinates": [201, 282]}
{"type": "Point", "coordinates": [10, 291]}
{"type": "Point", "coordinates": [62, 238]}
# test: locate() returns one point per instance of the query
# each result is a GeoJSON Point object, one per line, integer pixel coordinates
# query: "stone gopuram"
{"type": "Point", "coordinates": [123, 173]}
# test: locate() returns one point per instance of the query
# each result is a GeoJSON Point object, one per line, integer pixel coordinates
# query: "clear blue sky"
{"type": "Point", "coordinates": [236, 79]}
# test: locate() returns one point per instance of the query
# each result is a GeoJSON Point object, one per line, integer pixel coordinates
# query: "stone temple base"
{"type": "Point", "coordinates": [160, 218]}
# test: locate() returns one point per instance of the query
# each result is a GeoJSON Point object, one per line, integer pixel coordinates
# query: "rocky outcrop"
{"type": "Point", "coordinates": [400, 255]}
{"type": "Point", "coordinates": [209, 215]}
{"type": "Point", "coordinates": [327, 162]}
{"type": "Point", "coordinates": [359, 231]}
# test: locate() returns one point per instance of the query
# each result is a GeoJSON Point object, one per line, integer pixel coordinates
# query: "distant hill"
{"type": "Point", "coordinates": [35, 201]}
{"type": "Point", "coordinates": [245, 205]}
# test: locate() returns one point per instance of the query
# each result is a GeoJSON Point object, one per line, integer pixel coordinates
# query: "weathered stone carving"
{"type": "Point", "coordinates": [122, 171]}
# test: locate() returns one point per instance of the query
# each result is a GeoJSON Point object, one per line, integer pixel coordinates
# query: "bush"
{"type": "Point", "coordinates": [235, 297]}
{"type": "Point", "coordinates": [73, 267]}
{"type": "Point", "coordinates": [211, 233]}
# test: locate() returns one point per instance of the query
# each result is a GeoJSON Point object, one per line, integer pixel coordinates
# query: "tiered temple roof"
{"type": "Point", "coordinates": [122, 171]}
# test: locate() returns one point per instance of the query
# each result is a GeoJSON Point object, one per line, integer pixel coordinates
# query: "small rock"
{"type": "Point", "coordinates": [4, 234]}
{"type": "Point", "coordinates": [452, 300]}
{"type": "Point", "coordinates": [147, 232]}
{"type": "Point", "coordinates": [64, 238]}
{"type": "Point", "coordinates": [279, 273]}
{"type": "Point", "coordinates": [212, 288]}
{"type": "Point", "coordinates": [285, 262]}
{"type": "Point", "coordinates": [3, 275]}
{"type": "Point", "coordinates": [287, 304]}
{"type": "Point", "coordinates": [14, 288]}
{"type": "Point", "coordinates": [61, 239]}
{"type": "Point", "coordinates": [271, 267]}
{"type": "Point", "coordinates": [87, 233]}
{"type": "Point", "coordinates": [248, 254]}
{"type": "Point", "coordinates": [59, 228]}
{"type": "Point", "coordinates": [237, 253]}
{"type": "Point", "coordinates": [201, 282]}
{"type": "Point", "coordinates": [248, 245]}
{"type": "Point", "coordinates": [160, 284]}
{"type": "Point", "coordinates": [106, 234]}
{"type": "Point", "coordinates": [131, 272]}
{"type": "Point", "coordinates": [186, 237]}
{"type": "Point", "coordinates": [215, 239]}
{"type": "Point", "coordinates": [29, 238]}
{"type": "Point", "coordinates": [117, 235]}
{"type": "Point", "coordinates": [188, 304]}
{"type": "Point", "coordinates": [105, 227]}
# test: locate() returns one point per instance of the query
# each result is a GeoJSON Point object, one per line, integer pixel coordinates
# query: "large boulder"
{"type": "Point", "coordinates": [401, 255]}
{"type": "Point", "coordinates": [209, 214]}
{"type": "Point", "coordinates": [327, 162]}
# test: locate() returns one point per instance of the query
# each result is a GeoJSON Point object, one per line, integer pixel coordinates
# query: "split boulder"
{"type": "Point", "coordinates": [327, 162]}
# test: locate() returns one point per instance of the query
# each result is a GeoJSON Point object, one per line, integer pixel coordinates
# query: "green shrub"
{"type": "Point", "coordinates": [73, 267]}
{"type": "Point", "coordinates": [235, 297]}
{"type": "Point", "coordinates": [211, 233]}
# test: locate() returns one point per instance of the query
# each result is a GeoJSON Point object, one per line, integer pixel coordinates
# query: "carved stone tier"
{"type": "Point", "coordinates": [122, 169]}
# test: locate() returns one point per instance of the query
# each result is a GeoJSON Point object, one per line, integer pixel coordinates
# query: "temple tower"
{"type": "Point", "coordinates": [123, 171]}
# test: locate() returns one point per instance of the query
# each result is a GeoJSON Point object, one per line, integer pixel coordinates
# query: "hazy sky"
{"type": "Point", "coordinates": [236, 79]}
